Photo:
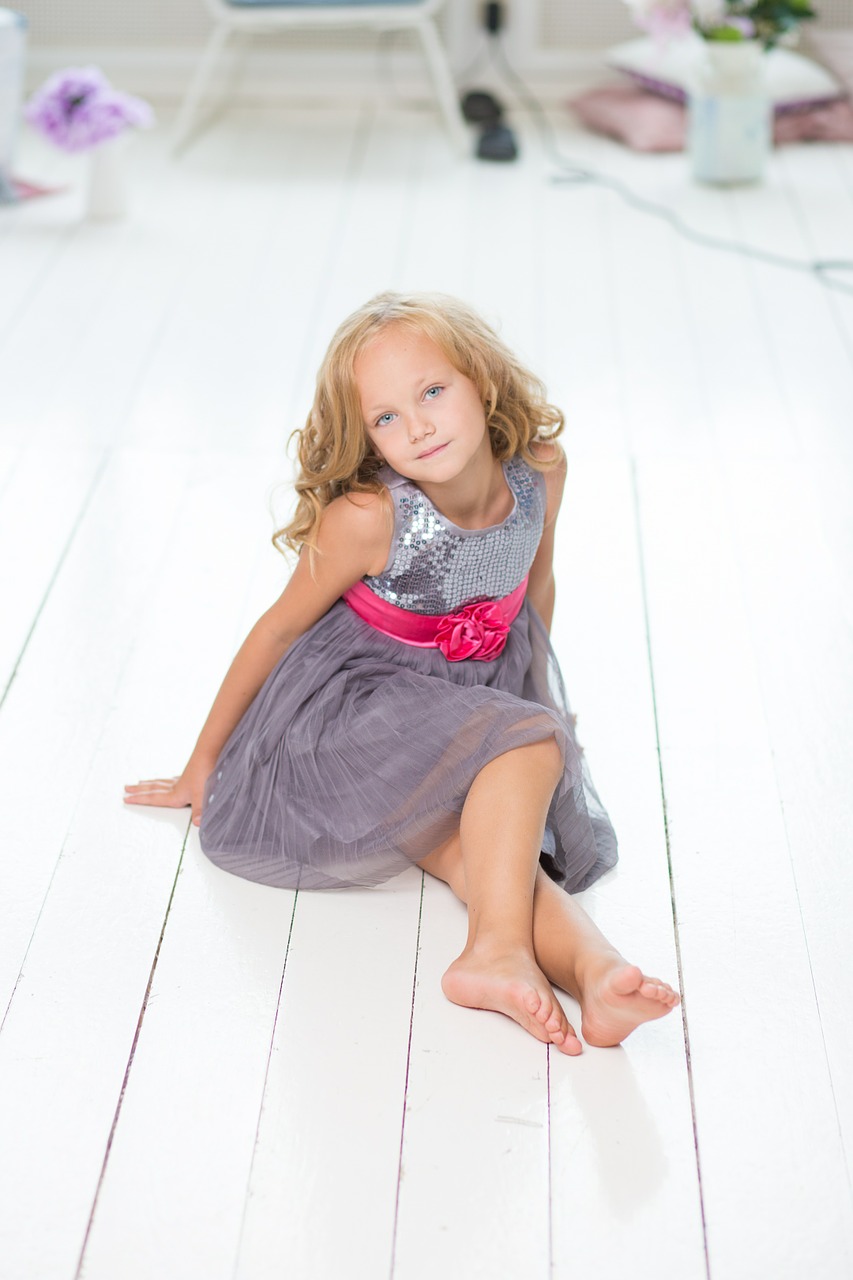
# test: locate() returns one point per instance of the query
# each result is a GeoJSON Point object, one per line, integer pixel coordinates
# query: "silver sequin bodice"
{"type": "Point", "coordinates": [436, 567]}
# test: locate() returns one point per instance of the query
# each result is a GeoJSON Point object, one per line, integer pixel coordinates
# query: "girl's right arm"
{"type": "Point", "coordinates": [353, 540]}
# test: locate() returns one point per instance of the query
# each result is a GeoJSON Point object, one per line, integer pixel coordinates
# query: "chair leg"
{"type": "Point", "coordinates": [444, 87]}
{"type": "Point", "coordinates": [239, 62]}
{"type": "Point", "coordinates": [198, 84]}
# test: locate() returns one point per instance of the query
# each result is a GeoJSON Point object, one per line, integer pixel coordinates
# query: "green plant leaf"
{"type": "Point", "coordinates": [728, 35]}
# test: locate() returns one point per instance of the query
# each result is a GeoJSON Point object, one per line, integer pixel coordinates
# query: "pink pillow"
{"type": "Point", "coordinates": [831, 122]}
{"type": "Point", "coordinates": [641, 120]}
{"type": "Point", "coordinates": [645, 122]}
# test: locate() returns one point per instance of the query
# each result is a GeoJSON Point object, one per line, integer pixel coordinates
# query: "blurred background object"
{"type": "Point", "coordinates": [13, 34]}
{"type": "Point", "coordinates": [259, 18]}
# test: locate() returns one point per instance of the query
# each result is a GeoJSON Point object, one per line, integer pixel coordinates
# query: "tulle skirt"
{"type": "Point", "coordinates": [356, 756]}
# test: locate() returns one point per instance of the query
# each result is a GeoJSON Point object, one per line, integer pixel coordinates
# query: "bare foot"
{"type": "Point", "coordinates": [510, 983]}
{"type": "Point", "coordinates": [619, 999]}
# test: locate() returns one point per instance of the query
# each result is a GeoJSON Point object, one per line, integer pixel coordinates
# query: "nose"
{"type": "Point", "coordinates": [420, 428]}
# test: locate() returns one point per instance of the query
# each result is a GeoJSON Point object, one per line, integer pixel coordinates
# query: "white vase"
{"type": "Point", "coordinates": [107, 192]}
{"type": "Point", "coordinates": [729, 113]}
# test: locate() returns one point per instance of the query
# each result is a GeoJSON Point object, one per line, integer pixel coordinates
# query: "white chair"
{"type": "Point", "coordinates": [265, 17]}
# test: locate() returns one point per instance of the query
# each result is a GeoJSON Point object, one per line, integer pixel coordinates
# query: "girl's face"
{"type": "Point", "coordinates": [422, 415]}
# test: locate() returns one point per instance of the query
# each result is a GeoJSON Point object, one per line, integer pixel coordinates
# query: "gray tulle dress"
{"type": "Point", "coordinates": [355, 758]}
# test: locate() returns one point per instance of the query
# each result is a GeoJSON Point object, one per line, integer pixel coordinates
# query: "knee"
{"type": "Point", "coordinates": [549, 758]}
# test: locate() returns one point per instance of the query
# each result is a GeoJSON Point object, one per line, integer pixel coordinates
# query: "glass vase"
{"type": "Point", "coordinates": [729, 113]}
{"type": "Point", "coordinates": [107, 191]}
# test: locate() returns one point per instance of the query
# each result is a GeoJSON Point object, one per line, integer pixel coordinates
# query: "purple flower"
{"type": "Point", "coordinates": [78, 108]}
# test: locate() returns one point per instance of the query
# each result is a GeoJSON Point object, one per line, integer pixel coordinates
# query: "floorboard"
{"type": "Point", "coordinates": [33, 545]}
{"type": "Point", "coordinates": [762, 1082]}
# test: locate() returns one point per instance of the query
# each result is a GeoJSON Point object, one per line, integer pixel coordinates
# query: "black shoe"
{"type": "Point", "coordinates": [479, 107]}
{"type": "Point", "coordinates": [497, 142]}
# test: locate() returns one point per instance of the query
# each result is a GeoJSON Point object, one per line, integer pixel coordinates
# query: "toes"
{"type": "Point", "coordinates": [532, 1001]}
{"type": "Point", "coordinates": [654, 989]}
{"type": "Point", "coordinates": [552, 1016]}
{"type": "Point", "coordinates": [569, 1040]}
{"type": "Point", "coordinates": [548, 1015]}
{"type": "Point", "coordinates": [571, 1044]}
{"type": "Point", "coordinates": [627, 980]}
{"type": "Point", "coordinates": [557, 1025]}
{"type": "Point", "coordinates": [531, 1025]}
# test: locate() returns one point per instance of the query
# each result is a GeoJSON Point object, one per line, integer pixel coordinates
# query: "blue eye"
{"type": "Point", "coordinates": [384, 419]}
{"type": "Point", "coordinates": [437, 391]}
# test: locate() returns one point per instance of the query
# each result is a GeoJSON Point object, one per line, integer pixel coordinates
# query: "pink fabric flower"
{"type": "Point", "coordinates": [478, 631]}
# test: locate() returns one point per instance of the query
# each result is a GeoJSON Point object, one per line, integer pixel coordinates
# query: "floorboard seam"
{"type": "Point", "coordinates": [79, 1269]}
{"type": "Point", "coordinates": [36, 923]}
{"type": "Point", "coordinates": [59, 564]}
{"type": "Point", "coordinates": [831, 293]}
{"type": "Point", "coordinates": [550, 1166]}
{"type": "Point", "coordinates": [87, 501]}
{"type": "Point", "coordinates": [734, 522]}
{"type": "Point", "coordinates": [65, 238]}
{"type": "Point", "coordinates": [264, 1088]}
{"type": "Point", "coordinates": [406, 1081]}
{"type": "Point", "coordinates": [632, 462]}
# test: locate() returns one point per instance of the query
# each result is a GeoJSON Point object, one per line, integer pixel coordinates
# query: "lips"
{"type": "Point", "coordinates": [429, 453]}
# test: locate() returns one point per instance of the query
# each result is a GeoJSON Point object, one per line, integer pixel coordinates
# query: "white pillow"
{"type": "Point", "coordinates": [792, 81]}
{"type": "Point", "coordinates": [835, 50]}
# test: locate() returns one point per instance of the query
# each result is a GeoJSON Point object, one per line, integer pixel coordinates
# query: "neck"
{"type": "Point", "coordinates": [478, 497]}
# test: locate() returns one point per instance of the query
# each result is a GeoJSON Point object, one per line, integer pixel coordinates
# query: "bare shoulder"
{"type": "Point", "coordinates": [360, 524]}
{"type": "Point", "coordinates": [555, 477]}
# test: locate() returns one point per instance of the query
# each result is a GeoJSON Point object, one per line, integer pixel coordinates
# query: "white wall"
{"type": "Point", "coordinates": [150, 46]}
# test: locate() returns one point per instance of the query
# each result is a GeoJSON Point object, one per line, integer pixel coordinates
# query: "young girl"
{"type": "Point", "coordinates": [401, 703]}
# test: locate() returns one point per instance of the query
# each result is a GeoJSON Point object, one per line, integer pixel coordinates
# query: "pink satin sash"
{"type": "Point", "coordinates": [477, 631]}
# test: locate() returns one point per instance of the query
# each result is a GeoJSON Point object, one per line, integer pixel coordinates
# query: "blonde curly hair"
{"type": "Point", "coordinates": [335, 452]}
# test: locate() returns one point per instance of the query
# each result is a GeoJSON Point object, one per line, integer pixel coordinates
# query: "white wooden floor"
{"type": "Point", "coordinates": [203, 1078]}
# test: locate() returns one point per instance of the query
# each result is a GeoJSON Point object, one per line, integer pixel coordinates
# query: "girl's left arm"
{"type": "Point", "coordinates": [541, 587]}
{"type": "Point", "coordinates": [353, 540]}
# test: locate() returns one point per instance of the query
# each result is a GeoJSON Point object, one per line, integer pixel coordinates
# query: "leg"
{"type": "Point", "coordinates": [615, 997]}
{"type": "Point", "coordinates": [500, 835]}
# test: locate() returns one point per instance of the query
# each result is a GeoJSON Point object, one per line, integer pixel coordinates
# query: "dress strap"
{"type": "Point", "coordinates": [478, 631]}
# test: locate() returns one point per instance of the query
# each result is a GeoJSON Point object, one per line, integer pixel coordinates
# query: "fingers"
{"type": "Point", "coordinates": [162, 798]}
{"type": "Point", "coordinates": [156, 791]}
{"type": "Point", "coordinates": [151, 783]}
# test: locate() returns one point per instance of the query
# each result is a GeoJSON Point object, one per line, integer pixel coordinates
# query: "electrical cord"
{"type": "Point", "coordinates": [570, 172]}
